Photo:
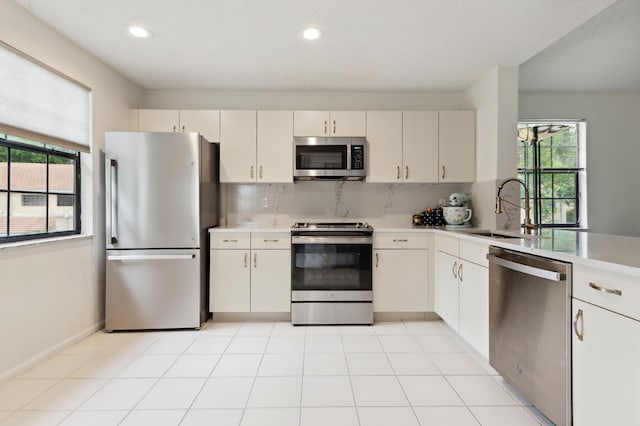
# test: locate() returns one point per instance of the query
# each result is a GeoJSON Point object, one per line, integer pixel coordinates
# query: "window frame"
{"type": "Point", "coordinates": [47, 150]}
{"type": "Point", "coordinates": [530, 177]}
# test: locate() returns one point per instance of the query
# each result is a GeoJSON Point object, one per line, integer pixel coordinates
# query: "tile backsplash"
{"type": "Point", "coordinates": [280, 205]}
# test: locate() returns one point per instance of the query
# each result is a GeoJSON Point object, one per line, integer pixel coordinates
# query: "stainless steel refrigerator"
{"type": "Point", "coordinates": [161, 197]}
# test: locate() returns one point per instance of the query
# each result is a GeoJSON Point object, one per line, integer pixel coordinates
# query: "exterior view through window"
{"type": "Point", "coordinates": [39, 189]}
{"type": "Point", "coordinates": [551, 161]}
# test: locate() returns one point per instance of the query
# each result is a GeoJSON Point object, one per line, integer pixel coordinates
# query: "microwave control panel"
{"type": "Point", "coordinates": [357, 157]}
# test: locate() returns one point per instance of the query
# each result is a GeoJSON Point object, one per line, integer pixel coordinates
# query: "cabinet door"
{"type": "Point", "coordinates": [457, 146]}
{"type": "Point", "coordinates": [420, 146]}
{"type": "Point", "coordinates": [400, 280]}
{"type": "Point", "coordinates": [205, 122]}
{"type": "Point", "coordinates": [474, 305]}
{"type": "Point", "coordinates": [271, 281]}
{"type": "Point", "coordinates": [275, 146]}
{"type": "Point", "coordinates": [311, 123]}
{"type": "Point", "coordinates": [446, 288]}
{"type": "Point", "coordinates": [158, 120]}
{"type": "Point", "coordinates": [237, 146]}
{"type": "Point", "coordinates": [348, 123]}
{"type": "Point", "coordinates": [606, 371]}
{"type": "Point", "coordinates": [229, 283]}
{"type": "Point", "coordinates": [384, 134]}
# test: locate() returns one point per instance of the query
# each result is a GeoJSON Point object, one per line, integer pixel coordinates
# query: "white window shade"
{"type": "Point", "coordinates": [40, 103]}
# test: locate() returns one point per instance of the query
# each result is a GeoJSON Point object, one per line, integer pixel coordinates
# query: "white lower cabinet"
{"type": "Point", "coordinates": [400, 281]}
{"type": "Point", "coordinates": [250, 272]}
{"type": "Point", "coordinates": [606, 367]}
{"type": "Point", "coordinates": [271, 281]}
{"type": "Point", "coordinates": [401, 266]}
{"type": "Point", "coordinates": [462, 289]}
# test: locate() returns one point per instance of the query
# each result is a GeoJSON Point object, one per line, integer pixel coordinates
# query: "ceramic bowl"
{"type": "Point", "coordinates": [456, 215]}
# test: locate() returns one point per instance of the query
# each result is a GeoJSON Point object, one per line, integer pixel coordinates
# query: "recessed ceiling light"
{"type": "Point", "coordinates": [138, 31]}
{"type": "Point", "coordinates": [312, 33]}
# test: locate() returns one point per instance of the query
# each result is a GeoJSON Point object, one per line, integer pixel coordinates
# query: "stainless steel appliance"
{"type": "Point", "coordinates": [529, 328]}
{"type": "Point", "coordinates": [329, 158]}
{"type": "Point", "coordinates": [331, 273]}
{"type": "Point", "coordinates": [161, 196]}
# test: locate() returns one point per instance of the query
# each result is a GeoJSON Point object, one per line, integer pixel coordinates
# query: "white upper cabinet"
{"type": "Point", "coordinates": [205, 122]}
{"type": "Point", "coordinates": [329, 123]}
{"type": "Point", "coordinates": [238, 132]}
{"type": "Point", "coordinates": [158, 120]}
{"type": "Point", "coordinates": [275, 146]}
{"type": "Point", "coordinates": [384, 136]}
{"type": "Point", "coordinates": [457, 146]}
{"type": "Point", "coordinates": [420, 146]}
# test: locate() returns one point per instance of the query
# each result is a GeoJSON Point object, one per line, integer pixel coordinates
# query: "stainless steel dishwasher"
{"type": "Point", "coordinates": [529, 328]}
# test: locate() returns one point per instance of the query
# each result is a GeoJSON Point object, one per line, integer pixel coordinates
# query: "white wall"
{"type": "Point", "coordinates": [613, 151]}
{"type": "Point", "coordinates": [495, 98]}
{"type": "Point", "coordinates": [50, 293]}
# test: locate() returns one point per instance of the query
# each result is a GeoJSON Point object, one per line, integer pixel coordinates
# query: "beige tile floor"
{"type": "Point", "coordinates": [392, 374]}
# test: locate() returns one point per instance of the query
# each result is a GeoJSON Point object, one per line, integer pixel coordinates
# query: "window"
{"type": "Point", "coordinates": [553, 169]}
{"type": "Point", "coordinates": [39, 189]}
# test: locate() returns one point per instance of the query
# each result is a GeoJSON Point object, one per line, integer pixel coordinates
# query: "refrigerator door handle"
{"type": "Point", "coordinates": [113, 164]}
{"type": "Point", "coordinates": [126, 257]}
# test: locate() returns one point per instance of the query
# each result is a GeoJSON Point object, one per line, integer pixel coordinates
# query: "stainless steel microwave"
{"type": "Point", "coordinates": [329, 158]}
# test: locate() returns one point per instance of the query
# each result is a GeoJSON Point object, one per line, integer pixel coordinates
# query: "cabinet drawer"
{"type": "Point", "coordinates": [447, 244]}
{"type": "Point", "coordinates": [408, 240]}
{"type": "Point", "coordinates": [474, 252]}
{"type": "Point", "coordinates": [230, 240]}
{"type": "Point", "coordinates": [271, 240]}
{"type": "Point", "coordinates": [626, 303]}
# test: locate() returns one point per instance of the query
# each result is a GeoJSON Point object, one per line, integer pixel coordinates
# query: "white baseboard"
{"type": "Point", "coordinates": [26, 365]}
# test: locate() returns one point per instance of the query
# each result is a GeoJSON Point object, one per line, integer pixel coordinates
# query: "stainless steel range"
{"type": "Point", "coordinates": [331, 273]}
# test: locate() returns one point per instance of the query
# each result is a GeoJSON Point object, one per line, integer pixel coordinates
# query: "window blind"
{"type": "Point", "coordinates": [40, 103]}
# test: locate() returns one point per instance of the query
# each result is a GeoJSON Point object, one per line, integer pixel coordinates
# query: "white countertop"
{"type": "Point", "coordinates": [613, 252]}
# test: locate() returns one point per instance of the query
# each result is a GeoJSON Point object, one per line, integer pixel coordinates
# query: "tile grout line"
{"type": "Point", "coordinates": [353, 392]}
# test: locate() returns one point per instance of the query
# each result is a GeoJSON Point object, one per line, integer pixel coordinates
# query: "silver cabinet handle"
{"type": "Point", "coordinates": [174, 128]}
{"type": "Point", "coordinates": [271, 241]}
{"type": "Point", "coordinates": [579, 334]}
{"type": "Point", "coordinates": [406, 174]}
{"type": "Point", "coordinates": [113, 194]}
{"type": "Point", "coordinates": [443, 172]}
{"type": "Point", "coordinates": [325, 127]}
{"type": "Point", "coordinates": [334, 127]}
{"type": "Point", "coordinates": [255, 260]}
{"type": "Point", "coordinates": [605, 290]}
{"type": "Point", "coordinates": [454, 269]}
{"type": "Point", "coordinates": [245, 259]}
{"type": "Point", "coordinates": [404, 240]}
{"type": "Point", "coordinates": [398, 173]}
{"type": "Point", "coordinates": [229, 241]}
{"type": "Point", "coordinates": [460, 271]}
{"type": "Point", "coordinates": [377, 260]}
{"type": "Point", "coordinates": [251, 172]}
{"type": "Point", "coordinates": [182, 129]}
{"type": "Point", "coordinates": [260, 172]}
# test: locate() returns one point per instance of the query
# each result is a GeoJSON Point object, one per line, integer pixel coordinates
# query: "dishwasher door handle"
{"type": "Point", "coordinates": [526, 269]}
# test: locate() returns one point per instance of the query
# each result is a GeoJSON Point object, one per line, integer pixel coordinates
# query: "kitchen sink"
{"type": "Point", "coordinates": [498, 234]}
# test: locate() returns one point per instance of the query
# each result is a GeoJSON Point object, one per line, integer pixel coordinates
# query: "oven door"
{"type": "Point", "coordinates": [331, 268]}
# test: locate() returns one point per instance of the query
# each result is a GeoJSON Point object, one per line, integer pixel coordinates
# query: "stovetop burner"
{"type": "Point", "coordinates": [318, 226]}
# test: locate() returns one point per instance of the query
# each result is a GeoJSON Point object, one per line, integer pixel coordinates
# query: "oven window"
{"type": "Point", "coordinates": [321, 157]}
{"type": "Point", "coordinates": [331, 267]}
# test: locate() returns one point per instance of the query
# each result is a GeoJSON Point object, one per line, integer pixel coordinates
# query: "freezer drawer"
{"type": "Point", "coordinates": [152, 289]}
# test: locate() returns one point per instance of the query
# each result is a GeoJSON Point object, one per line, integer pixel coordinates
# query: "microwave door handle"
{"type": "Point", "coordinates": [113, 195]}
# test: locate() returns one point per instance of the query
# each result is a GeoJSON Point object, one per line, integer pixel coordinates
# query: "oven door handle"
{"type": "Point", "coordinates": [297, 239]}
{"type": "Point", "coordinates": [526, 269]}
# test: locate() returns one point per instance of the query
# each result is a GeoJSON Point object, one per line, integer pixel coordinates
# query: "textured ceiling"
{"type": "Point", "coordinates": [601, 55]}
{"type": "Point", "coordinates": [368, 44]}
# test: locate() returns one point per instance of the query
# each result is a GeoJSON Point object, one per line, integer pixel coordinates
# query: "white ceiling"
{"type": "Point", "coordinates": [368, 44]}
{"type": "Point", "coordinates": [601, 55]}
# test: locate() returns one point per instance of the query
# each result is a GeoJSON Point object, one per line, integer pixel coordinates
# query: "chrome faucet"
{"type": "Point", "coordinates": [528, 226]}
